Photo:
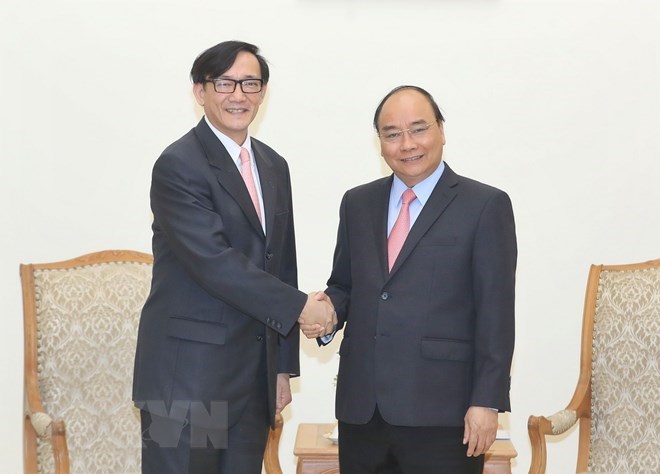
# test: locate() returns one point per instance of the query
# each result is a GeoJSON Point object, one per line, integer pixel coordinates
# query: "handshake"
{"type": "Point", "coordinates": [318, 317]}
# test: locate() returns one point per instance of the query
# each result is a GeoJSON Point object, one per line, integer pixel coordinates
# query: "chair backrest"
{"type": "Point", "coordinates": [81, 320]}
{"type": "Point", "coordinates": [625, 377]}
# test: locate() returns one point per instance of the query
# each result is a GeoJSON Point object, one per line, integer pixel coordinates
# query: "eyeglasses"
{"type": "Point", "coordinates": [393, 136]}
{"type": "Point", "coordinates": [227, 86]}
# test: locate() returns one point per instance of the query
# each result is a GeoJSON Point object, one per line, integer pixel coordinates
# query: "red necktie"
{"type": "Point", "coordinates": [401, 228]}
{"type": "Point", "coordinates": [246, 172]}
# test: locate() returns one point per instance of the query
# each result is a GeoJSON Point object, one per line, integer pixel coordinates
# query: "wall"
{"type": "Point", "coordinates": [556, 102]}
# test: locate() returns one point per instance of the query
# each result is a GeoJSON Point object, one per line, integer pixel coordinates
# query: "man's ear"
{"type": "Point", "coordinates": [199, 92]}
{"type": "Point", "coordinates": [442, 132]}
{"type": "Point", "coordinates": [262, 93]}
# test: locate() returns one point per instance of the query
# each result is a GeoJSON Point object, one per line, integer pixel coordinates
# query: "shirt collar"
{"type": "Point", "coordinates": [233, 148]}
{"type": "Point", "coordinates": [422, 189]}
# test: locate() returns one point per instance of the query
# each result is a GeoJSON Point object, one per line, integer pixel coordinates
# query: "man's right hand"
{"type": "Point", "coordinates": [318, 317]}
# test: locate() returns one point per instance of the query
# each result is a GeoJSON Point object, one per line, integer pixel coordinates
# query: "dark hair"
{"type": "Point", "coordinates": [216, 60]}
{"type": "Point", "coordinates": [429, 97]}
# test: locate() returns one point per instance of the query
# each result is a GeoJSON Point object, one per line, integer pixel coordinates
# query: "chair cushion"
{"type": "Point", "coordinates": [625, 403]}
{"type": "Point", "coordinates": [87, 320]}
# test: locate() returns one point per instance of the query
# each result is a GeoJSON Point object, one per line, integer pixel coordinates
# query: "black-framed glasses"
{"type": "Point", "coordinates": [393, 136]}
{"type": "Point", "coordinates": [227, 86]}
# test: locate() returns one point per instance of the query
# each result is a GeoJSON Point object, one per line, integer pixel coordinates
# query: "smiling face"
{"type": "Point", "coordinates": [232, 113]}
{"type": "Point", "coordinates": [412, 159]}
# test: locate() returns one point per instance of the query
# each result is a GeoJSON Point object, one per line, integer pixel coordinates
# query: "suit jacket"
{"type": "Point", "coordinates": [222, 293]}
{"type": "Point", "coordinates": [435, 335]}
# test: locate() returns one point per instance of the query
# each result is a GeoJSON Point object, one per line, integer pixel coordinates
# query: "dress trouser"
{"type": "Point", "coordinates": [378, 447]}
{"type": "Point", "coordinates": [242, 445]}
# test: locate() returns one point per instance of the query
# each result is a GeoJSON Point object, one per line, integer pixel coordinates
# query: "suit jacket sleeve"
{"type": "Point", "coordinates": [186, 211]}
{"type": "Point", "coordinates": [289, 354]}
{"type": "Point", "coordinates": [339, 283]}
{"type": "Point", "coordinates": [494, 267]}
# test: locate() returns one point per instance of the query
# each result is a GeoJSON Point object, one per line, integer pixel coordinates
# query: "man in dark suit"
{"type": "Point", "coordinates": [426, 304]}
{"type": "Point", "coordinates": [218, 341]}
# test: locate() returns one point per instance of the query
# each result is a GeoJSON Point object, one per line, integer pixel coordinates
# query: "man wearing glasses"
{"type": "Point", "coordinates": [218, 341]}
{"type": "Point", "coordinates": [423, 286]}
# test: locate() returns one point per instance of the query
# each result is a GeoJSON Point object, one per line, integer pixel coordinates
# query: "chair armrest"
{"type": "Point", "coordinates": [60, 448]}
{"type": "Point", "coordinates": [53, 430]}
{"type": "Point", "coordinates": [41, 423]}
{"type": "Point", "coordinates": [272, 453]}
{"type": "Point", "coordinates": [540, 426]}
{"type": "Point", "coordinates": [562, 421]}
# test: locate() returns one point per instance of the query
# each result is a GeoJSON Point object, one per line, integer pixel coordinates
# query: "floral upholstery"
{"type": "Point", "coordinates": [625, 400]}
{"type": "Point", "coordinates": [87, 319]}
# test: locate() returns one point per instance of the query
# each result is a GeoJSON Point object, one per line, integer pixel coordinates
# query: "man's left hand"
{"type": "Point", "coordinates": [283, 393]}
{"type": "Point", "coordinates": [480, 430]}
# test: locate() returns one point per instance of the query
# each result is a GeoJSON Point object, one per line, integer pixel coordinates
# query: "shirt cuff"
{"type": "Point", "coordinates": [328, 337]}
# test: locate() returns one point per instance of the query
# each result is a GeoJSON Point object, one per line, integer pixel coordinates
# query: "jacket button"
{"type": "Point", "coordinates": [269, 256]}
{"type": "Point", "coordinates": [384, 295]}
{"type": "Point", "coordinates": [260, 338]}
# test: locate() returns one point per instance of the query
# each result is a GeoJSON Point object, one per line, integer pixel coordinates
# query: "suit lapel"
{"type": "Point", "coordinates": [443, 194]}
{"type": "Point", "coordinates": [378, 208]}
{"type": "Point", "coordinates": [267, 181]}
{"type": "Point", "coordinates": [227, 172]}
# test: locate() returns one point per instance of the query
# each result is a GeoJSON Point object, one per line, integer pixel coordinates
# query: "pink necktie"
{"type": "Point", "coordinates": [401, 228]}
{"type": "Point", "coordinates": [246, 172]}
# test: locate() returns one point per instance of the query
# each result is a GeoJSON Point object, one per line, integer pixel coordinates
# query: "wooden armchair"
{"type": "Point", "coordinates": [81, 318]}
{"type": "Point", "coordinates": [617, 398]}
